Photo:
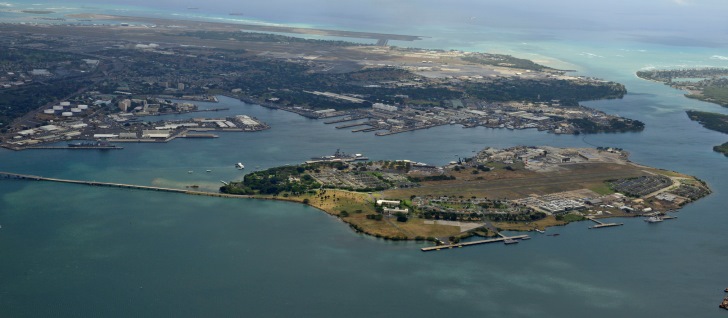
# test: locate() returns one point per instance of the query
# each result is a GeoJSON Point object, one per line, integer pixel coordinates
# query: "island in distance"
{"type": "Point", "coordinates": [520, 188]}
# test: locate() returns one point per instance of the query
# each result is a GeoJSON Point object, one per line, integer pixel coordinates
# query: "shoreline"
{"type": "Point", "coordinates": [478, 231]}
{"type": "Point", "coordinates": [358, 209]}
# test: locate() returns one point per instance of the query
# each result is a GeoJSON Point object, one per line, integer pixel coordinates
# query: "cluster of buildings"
{"type": "Point", "coordinates": [62, 131]}
{"type": "Point", "coordinates": [391, 119]}
{"type": "Point", "coordinates": [392, 207]}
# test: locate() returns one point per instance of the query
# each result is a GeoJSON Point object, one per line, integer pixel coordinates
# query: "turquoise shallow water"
{"type": "Point", "coordinates": [71, 251]}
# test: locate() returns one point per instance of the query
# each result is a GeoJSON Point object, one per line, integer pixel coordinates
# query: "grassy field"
{"type": "Point", "coordinates": [519, 184]}
{"type": "Point", "coordinates": [716, 94]}
{"type": "Point", "coordinates": [358, 205]}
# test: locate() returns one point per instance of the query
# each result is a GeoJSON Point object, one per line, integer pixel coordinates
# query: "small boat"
{"type": "Point", "coordinates": [555, 234]}
{"type": "Point", "coordinates": [208, 170]}
{"type": "Point", "coordinates": [240, 166]}
{"type": "Point", "coordinates": [526, 238]}
{"type": "Point", "coordinates": [190, 171]}
{"type": "Point", "coordinates": [540, 231]}
{"type": "Point", "coordinates": [510, 241]}
{"type": "Point", "coordinates": [653, 219]}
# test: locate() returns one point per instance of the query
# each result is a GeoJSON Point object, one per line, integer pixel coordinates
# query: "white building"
{"type": "Point", "coordinates": [381, 106]}
{"type": "Point", "coordinates": [388, 202]}
{"type": "Point", "coordinates": [390, 211]}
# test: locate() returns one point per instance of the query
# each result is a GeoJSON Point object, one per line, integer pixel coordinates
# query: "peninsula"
{"type": "Point", "coordinates": [520, 188]}
{"type": "Point", "coordinates": [712, 121]}
{"type": "Point", "coordinates": [706, 84]}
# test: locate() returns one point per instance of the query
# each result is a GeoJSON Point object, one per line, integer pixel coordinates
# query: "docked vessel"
{"type": "Point", "coordinates": [90, 144]}
{"type": "Point", "coordinates": [339, 156]}
{"type": "Point", "coordinates": [653, 219]}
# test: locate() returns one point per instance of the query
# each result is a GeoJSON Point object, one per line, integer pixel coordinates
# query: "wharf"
{"type": "Point", "coordinates": [602, 224]}
{"type": "Point", "coordinates": [199, 136]}
{"type": "Point", "coordinates": [351, 125]}
{"type": "Point", "coordinates": [398, 131]}
{"type": "Point", "coordinates": [365, 129]}
{"type": "Point", "coordinates": [494, 240]}
{"type": "Point", "coordinates": [345, 119]}
{"type": "Point", "coordinates": [78, 148]}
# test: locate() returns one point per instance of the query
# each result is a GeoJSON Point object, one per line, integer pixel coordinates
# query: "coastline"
{"type": "Point", "coordinates": [334, 202]}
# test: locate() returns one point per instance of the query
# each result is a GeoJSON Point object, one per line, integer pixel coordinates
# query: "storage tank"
{"type": "Point", "coordinates": [65, 103]}
{"type": "Point", "coordinates": [75, 110]}
{"type": "Point", "coordinates": [58, 107]}
{"type": "Point", "coordinates": [66, 114]}
{"type": "Point", "coordinates": [49, 111]}
{"type": "Point", "coordinates": [82, 107]}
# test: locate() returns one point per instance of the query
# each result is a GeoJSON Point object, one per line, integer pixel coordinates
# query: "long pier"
{"type": "Point", "coordinates": [494, 240]}
{"type": "Point", "coordinates": [10, 175]}
{"type": "Point", "coordinates": [77, 148]}
{"type": "Point", "coordinates": [600, 224]}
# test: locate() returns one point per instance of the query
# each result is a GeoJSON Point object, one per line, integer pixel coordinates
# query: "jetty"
{"type": "Point", "coordinates": [503, 238]}
{"type": "Point", "coordinates": [600, 224]}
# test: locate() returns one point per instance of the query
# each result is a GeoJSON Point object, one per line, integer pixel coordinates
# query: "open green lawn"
{"type": "Point", "coordinates": [719, 94]}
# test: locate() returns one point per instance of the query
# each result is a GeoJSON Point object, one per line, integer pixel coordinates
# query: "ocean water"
{"type": "Point", "coordinates": [70, 251]}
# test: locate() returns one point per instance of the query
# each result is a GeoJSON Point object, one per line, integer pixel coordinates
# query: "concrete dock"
{"type": "Point", "coordinates": [78, 148]}
{"type": "Point", "coordinates": [345, 119]}
{"type": "Point", "coordinates": [494, 240]}
{"type": "Point", "coordinates": [351, 125]}
{"type": "Point", "coordinates": [600, 224]}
